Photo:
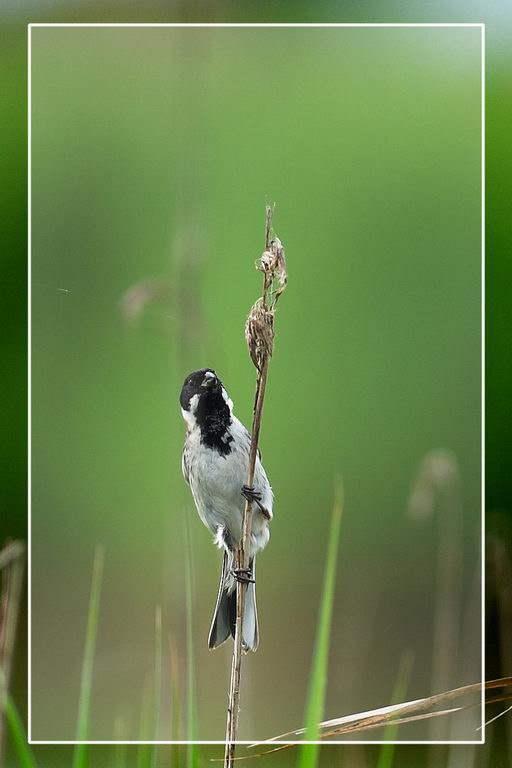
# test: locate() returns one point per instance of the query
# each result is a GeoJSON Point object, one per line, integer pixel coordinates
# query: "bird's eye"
{"type": "Point", "coordinates": [190, 381]}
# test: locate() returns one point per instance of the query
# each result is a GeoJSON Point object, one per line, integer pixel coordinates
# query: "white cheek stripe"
{"type": "Point", "coordinates": [189, 418]}
{"type": "Point", "coordinates": [189, 415]}
{"type": "Point", "coordinates": [227, 399]}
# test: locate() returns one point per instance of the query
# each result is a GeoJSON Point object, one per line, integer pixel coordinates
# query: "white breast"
{"type": "Point", "coordinates": [216, 481]}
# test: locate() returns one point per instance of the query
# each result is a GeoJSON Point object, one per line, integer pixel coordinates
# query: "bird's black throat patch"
{"type": "Point", "coordinates": [213, 418]}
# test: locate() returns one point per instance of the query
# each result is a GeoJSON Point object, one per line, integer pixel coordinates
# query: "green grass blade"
{"type": "Point", "coordinates": [192, 724]}
{"type": "Point", "coordinates": [157, 684]}
{"type": "Point", "coordinates": [119, 748]}
{"type": "Point", "coordinates": [120, 755]}
{"type": "Point", "coordinates": [315, 705]}
{"type": "Point", "coordinates": [12, 568]}
{"type": "Point", "coordinates": [144, 750]}
{"type": "Point", "coordinates": [84, 704]}
{"type": "Point", "coordinates": [387, 751]}
{"type": "Point", "coordinates": [18, 735]}
{"type": "Point", "coordinates": [176, 718]}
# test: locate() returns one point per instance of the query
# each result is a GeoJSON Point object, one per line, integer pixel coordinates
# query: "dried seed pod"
{"type": "Point", "coordinates": [273, 265]}
{"type": "Point", "coordinates": [266, 263]}
{"type": "Point", "coordinates": [279, 268]}
{"type": "Point", "coordinates": [259, 333]}
{"type": "Point", "coordinates": [259, 328]}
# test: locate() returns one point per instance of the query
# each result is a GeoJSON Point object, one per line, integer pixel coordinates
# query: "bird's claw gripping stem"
{"type": "Point", "coordinates": [249, 493]}
{"type": "Point", "coordinates": [243, 575]}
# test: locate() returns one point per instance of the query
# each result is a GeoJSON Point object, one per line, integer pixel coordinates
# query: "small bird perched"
{"type": "Point", "coordinates": [215, 464]}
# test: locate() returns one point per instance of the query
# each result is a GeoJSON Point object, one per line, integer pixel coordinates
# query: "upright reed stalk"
{"type": "Point", "coordinates": [436, 490]}
{"type": "Point", "coordinates": [259, 333]}
{"type": "Point", "coordinates": [12, 566]}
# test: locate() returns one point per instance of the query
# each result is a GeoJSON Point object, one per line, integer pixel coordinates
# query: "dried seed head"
{"type": "Point", "coordinates": [273, 265]}
{"type": "Point", "coordinates": [438, 472]}
{"type": "Point", "coordinates": [142, 295]}
{"type": "Point", "coordinates": [266, 263]}
{"type": "Point", "coordinates": [259, 333]}
{"type": "Point", "coordinates": [280, 273]}
{"type": "Point", "coordinates": [277, 249]}
{"type": "Point", "coordinates": [259, 328]}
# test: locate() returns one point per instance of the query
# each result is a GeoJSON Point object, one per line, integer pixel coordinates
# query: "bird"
{"type": "Point", "coordinates": [215, 464]}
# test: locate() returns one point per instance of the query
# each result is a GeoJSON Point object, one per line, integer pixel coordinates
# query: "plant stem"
{"type": "Point", "coordinates": [243, 562]}
{"type": "Point", "coordinates": [242, 556]}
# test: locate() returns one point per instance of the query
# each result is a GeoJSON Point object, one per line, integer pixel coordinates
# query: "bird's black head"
{"type": "Point", "coordinates": [198, 383]}
{"type": "Point", "coordinates": [205, 403]}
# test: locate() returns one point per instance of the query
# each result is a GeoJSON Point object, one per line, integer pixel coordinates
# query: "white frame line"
{"type": "Point", "coordinates": [29, 387]}
{"type": "Point", "coordinates": [181, 25]}
{"type": "Point", "coordinates": [482, 386]}
{"type": "Point", "coordinates": [257, 25]}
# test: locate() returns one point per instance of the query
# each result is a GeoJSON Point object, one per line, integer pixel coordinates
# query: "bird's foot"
{"type": "Point", "coordinates": [243, 575]}
{"type": "Point", "coordinates": [249, 493]}
{"type": "Point", "coordinates": [254, 496]}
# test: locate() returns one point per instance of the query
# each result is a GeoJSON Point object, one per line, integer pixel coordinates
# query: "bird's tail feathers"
{"type": "Point", "coordinates": [224, 617]}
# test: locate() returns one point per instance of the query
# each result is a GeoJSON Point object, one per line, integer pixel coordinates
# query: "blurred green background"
{"type": "Point", "coordinates": [153, 151]}
{"type": "Point", "coordinates": [244, 220]}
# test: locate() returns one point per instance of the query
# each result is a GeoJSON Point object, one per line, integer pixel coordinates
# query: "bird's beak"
{"type": "Point", "coordinates": [209, 381]}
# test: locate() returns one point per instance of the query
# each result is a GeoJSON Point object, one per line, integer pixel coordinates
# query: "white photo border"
{"type": "Point", "coordinates": [179, 25]}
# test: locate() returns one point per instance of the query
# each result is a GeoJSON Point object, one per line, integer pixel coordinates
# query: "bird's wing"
{"type": "Point", "coordinates": [184, 466]}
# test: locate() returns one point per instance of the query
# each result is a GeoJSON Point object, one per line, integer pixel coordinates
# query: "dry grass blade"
{"type": "Point", "coordinates": [400, 721]}
{"type": "Point", "coordinates": [497, 717]}
{"type": "Point", "coordinates": [384, 715]}
{"type": "Point", "coordinates": [366, 721]}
